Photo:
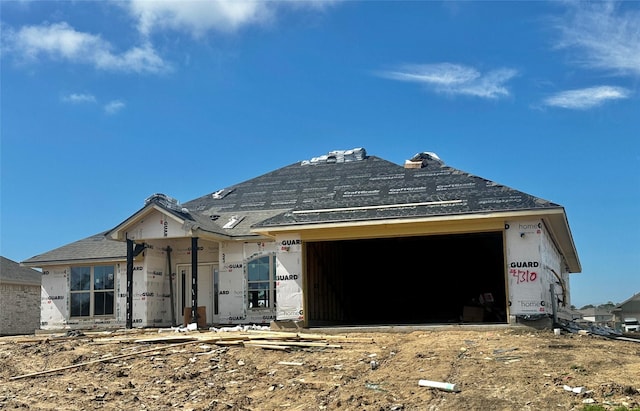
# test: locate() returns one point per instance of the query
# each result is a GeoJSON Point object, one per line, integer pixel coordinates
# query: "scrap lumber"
{"type": "Point", "coordinates": [268, 346]}
{"type": "Point", "coordinates": [228, 342]}
{"type": "Point", "coordinates": [341, 338]}
{"type": "Point", "coordinates": [167, 339]}
{"type": "Point", "coordinates": [311, 336]}
{"type": "Point", "coordinates": [117, 357]}
{"type": "Point", "coordinates": [206, 337]}
{"type": "Point", "coordinates": [296, 344]}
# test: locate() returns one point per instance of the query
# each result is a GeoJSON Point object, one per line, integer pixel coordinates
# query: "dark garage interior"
{"type": "Point", "coordinates": [438, 279]}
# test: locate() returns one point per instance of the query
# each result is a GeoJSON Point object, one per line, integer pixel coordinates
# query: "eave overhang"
{"type": "Point", "coordinates": [78, 261]}
{"type": "Point", "coordinates": [555, 219]}
{"type": "Point", "coordinates": [191, 228]}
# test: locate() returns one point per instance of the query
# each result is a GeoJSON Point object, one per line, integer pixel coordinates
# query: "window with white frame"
{"type": "Point", "coordinates": [261, 273]}
{"type": "Point", "coordinates": [92, 291]}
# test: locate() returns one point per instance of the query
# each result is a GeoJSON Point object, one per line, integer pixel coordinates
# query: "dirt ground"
{"type": "Point", "coordinates": [495, 369]}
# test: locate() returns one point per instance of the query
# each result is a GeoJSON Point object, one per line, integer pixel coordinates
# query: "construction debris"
{"type": "Point", "coordinates": [251, 338]}
{"type": "Point", "coordinates": [444, 386]}
{"type": "Point", "coordinates": [255, 369]}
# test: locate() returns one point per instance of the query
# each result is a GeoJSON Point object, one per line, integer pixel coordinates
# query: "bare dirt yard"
{"type": "Point", "coordinates": [494, 368]}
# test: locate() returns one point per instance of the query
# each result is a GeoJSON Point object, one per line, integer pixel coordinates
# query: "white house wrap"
{"type": "Point", "coordinates": [289, 278]}
{"type": "Point", "coordinates": [342, 239]}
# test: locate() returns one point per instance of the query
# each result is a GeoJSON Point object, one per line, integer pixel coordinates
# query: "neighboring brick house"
{"type": "Point", "coordinates": [341, 239]}
{"type": "Point", "coordinates": [19, 298]}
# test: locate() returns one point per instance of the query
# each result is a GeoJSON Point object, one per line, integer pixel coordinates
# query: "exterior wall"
{"type": "Point", "coordinates": [233, 287]}
{"type": "Point", "coordinates": [55, 301]}
{"type": "Point", "coordinates": [55, 298]}
{"type": "Point", "coordinates": [19, 313]}
{"type": "Point", "coordinates": [151, 290]}
{"type": "Point", "coordinates": [532, 259]}
{"type": "Point", "coordinates": [121, 291]}
{"type": "Point", "coordinates": [554, 271]}
{"type": "Point", "coordinates": [232, 294]}
{"type": "Point", "coordinates": [289, 278]}
{"type": "Point", "coordinates": [157, 225]}
{"type": "Point", "coordinates": [152, 303]}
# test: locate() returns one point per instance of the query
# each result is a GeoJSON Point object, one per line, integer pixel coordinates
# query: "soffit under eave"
{"type": "Point", "coordinates": [452, 224]}
{"type": "Point", "coordinates": [561, 235]}
{"type": "Point", "coordinates": [118, 233]}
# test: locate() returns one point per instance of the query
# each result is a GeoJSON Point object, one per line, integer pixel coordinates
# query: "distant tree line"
{"type": "Point", "coordinates": [609, 305]}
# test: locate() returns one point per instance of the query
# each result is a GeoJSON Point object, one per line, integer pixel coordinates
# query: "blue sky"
{"type": "Point", "coordinates": [105, 103]}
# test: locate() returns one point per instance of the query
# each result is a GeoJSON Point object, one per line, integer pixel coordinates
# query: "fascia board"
{"type": "Point", "coordinates": [272, 231]}
{"type": "Point", "coordinates": [208, 235]}
{"type": "Point", "coordinates": [83, 261]}
{"type": "Point", "coordinates": [23, 283]}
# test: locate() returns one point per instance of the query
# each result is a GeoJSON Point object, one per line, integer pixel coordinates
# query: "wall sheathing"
{"type": "Point", "coordinates": [152, 303]}
{"type": "Point", "coordinates": [121, 292]}
{"type": "Point", "coordinates": [54, 307]}
{"type": "Point", "coordinates": [531, 260]}
{"type": "Point", "coordinates": [554, 267]}
{"type": "Point", "coordinates": [289, 278]}
{"type": "Point", "coordinates": [157, 225]}
{"type": "Point", "coordinates": [154, 299]}
{"type": "Point", "coordinates": [232, 294]}
{"type": "Point", "coordinates": [54, 298]}
{"type": "Point", "coordinates": [531, 257]}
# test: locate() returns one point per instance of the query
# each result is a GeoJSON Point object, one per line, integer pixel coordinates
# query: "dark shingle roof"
{"type": "Point", "coordinates": [368, 189]}
{"type": "Point", "coordinates": [13, 273]}
{"type": "Point", "coordinates": [333, 188]}
{"type": "Point", "coordinates": [97, 248]}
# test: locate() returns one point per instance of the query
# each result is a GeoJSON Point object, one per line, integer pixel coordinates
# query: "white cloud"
{"type": "Point", "coordinates": [79, 98]}
{"type": "Point", "coordinates": [114, 106]}
{"type": "Point", "coordinates": [454, 79]}
{"type": "Point", "coordinates": [586, 98]}
{"type": "Point", "coordinates": [62, 42]}
{"type": "Point", "coordinates": [604, 36]}
{"type": "Point", "coordinates": [198, 17]}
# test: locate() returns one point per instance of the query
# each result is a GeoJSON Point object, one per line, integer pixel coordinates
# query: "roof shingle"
{"type": "Point", "coordinates": [12, 272]}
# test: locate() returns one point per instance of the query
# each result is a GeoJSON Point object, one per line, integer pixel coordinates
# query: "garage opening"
{"type": "Point", "coordinates": [439, 279]}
